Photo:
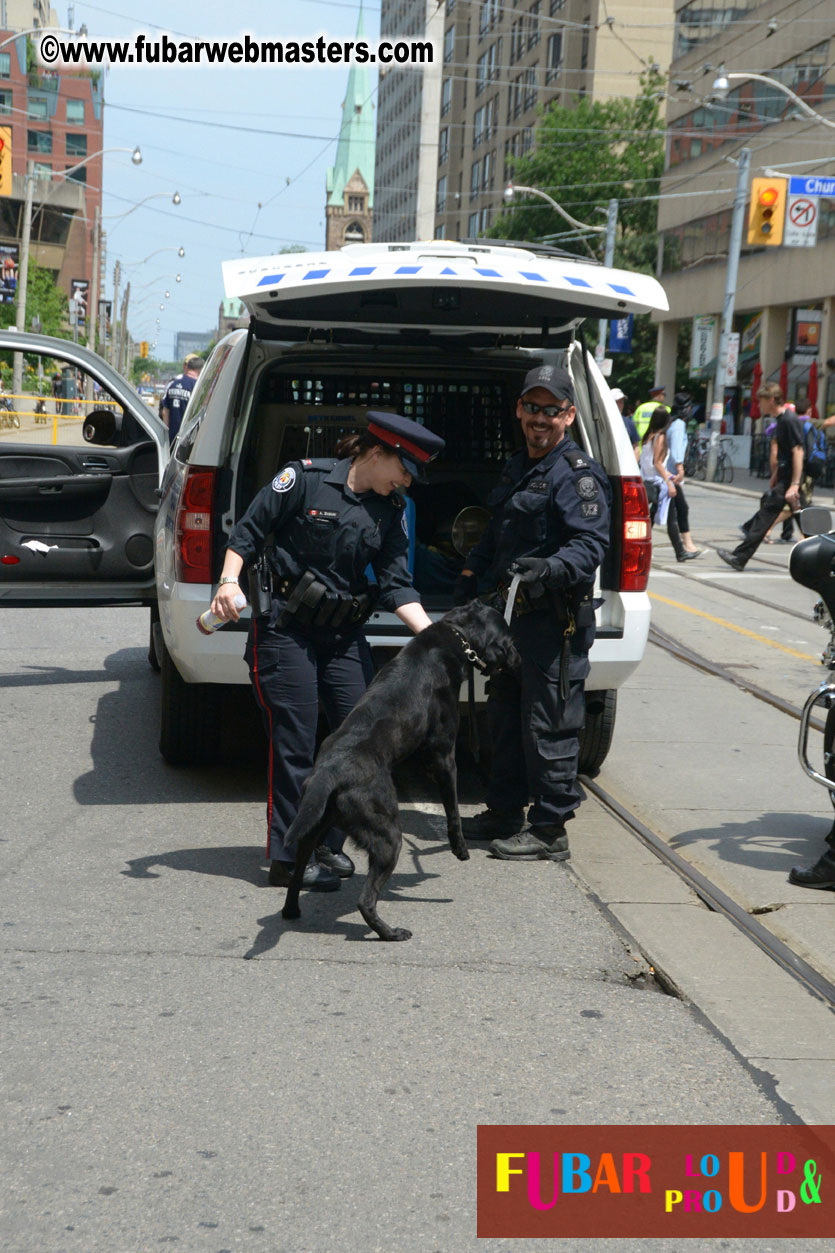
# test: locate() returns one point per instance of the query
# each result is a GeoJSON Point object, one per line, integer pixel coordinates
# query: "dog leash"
{"type": "Point", "coordinates": [511, 597]}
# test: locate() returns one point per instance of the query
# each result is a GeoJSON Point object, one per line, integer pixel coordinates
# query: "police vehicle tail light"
{"type": "Point", "coordinates": [193, 557]}
{"type": "Point", "coordinates": [636, 544]}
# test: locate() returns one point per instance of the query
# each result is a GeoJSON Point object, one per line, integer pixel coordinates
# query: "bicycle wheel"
{"type": "Point", "coordinates": [700, 472]}
{"type": "Point", "coordinates": [15, 420]}
{"type": "Point", "coordinates": [729, 471]}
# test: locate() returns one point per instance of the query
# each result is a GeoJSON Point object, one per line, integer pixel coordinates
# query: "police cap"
{"type": "Point", "coordinates": [414, 444]}
{"type": "Point", "coordinates": [553, 378]}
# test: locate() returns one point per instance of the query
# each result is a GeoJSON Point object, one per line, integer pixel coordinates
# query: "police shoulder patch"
{"type": "Point", "coordinates": [590, 509]}
{"type": "Point", "coordinates": [284, 481]}
{"type": "Point", "coordinates": [586, 487]}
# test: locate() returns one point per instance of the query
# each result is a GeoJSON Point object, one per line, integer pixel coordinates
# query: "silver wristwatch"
{"type": "Point", "coordinates": [227, 578]}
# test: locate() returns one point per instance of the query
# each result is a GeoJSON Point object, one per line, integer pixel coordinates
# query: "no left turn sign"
{"type": "Point", "coordinates": [801, 227]}
{"type": "Point", "coordinates": [802, 212]}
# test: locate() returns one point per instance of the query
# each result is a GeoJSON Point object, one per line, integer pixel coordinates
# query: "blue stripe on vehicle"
{"type": "Point", "coordinates": [447, 270]}
{"type": "Point", "coordinates": [539, 278]}
{"type": "Point", "coordinates": [623, 291]}
{"type": "Point", "coordinates": [316, 274]}
{"type": "Point", "coordinates": [408, 269]}
{"type": "Point", "coordinates": [577, 282]}
{"type": "Point", "coordinates": [270, 280]}
{"type": "Point", "coordinates": [362, 269]}
{"type": "Point", "coordinates": [488, 273]}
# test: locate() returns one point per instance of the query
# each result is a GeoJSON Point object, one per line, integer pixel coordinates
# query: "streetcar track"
{"type": "Point", "coordinates": [716, 899]}
{"type": "Point", "coordinates": [733, 591]}
{"type": "Point", "coordinates": [698, 662]}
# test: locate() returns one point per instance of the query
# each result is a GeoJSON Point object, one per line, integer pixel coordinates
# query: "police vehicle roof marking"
{"type": "Point", "coordinates": [269, 280]}
{"type": "Point", "coordinates": [539, 278]}
{"type": "Point", "coordinates": [624, 291]}
{"type": "Point", "coordinates": [408, 269]}
{"type": "Point", "coordinates": [487, 273]}
{"type": "Point", "coordinates": [447, 270]}
{"type": "Point", "coordinates": [316, 274]}
{"type": "Point", "coordinates": [362, 269]}
{"type": "Point", "coordinates": [577, 282]}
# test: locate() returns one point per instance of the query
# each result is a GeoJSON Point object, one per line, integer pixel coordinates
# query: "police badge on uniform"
{"type": "Point", "coordinates": [586, 487]}
{"type": "Point", "coordinates": [284, 481]}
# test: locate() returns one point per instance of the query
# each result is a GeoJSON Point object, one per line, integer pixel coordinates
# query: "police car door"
{"type": "Point", "coordinates": [79, 479]}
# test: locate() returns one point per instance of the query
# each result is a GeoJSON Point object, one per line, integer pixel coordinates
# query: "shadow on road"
{"type": "Point", "coordinates": [774, 841]}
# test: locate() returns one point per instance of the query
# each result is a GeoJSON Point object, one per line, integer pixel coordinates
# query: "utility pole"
{"type": "Point", "coordinates": [93, 302]}
{"type": "Point", "coordinates": [23, 275]}
{"type": "Point", "coordinates": [122, 359]}
{"type": "Point", "coordinates": [737, 223]}
{"type": "Point", "coordinates": [117, 270]}
{"type": "Point", "coordinates": [608, 258]}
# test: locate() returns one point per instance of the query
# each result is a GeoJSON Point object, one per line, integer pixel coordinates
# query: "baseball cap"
{"type": "Point", "coordinates": [617, 394]}
{"type": "Point", "coordinates": [553, 379]}
{"type": "Point", "coordinates": [414, 444]}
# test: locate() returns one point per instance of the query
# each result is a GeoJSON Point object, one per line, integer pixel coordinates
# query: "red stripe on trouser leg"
{"type": "Point", "coordinates": [268, 712]}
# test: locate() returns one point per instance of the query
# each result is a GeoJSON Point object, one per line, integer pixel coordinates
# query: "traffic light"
{"type": "Point", "coordinates": [143, 348]}
{"type": "Point", "coordinates": [5, 160]}
{"type": "Point", "coordinates": [768, 211]}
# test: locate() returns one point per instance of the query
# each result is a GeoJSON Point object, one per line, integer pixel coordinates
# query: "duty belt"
{"type": "Point", "coordinates": [309, 603]}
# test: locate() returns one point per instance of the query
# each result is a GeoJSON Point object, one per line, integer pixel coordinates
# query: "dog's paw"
{"type": "Point", "coordinates": [289, 912]}
{"type": "Point", "coordinates": [399, 933]}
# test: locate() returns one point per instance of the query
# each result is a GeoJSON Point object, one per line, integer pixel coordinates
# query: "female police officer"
{"type": "Point", "coordinates": [328, 520]}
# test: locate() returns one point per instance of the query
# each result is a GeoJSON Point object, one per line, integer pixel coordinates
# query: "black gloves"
{"type": "Point", "coordinates": [466, 588]}
{"type": "Point", "coordinates": [531, 570]}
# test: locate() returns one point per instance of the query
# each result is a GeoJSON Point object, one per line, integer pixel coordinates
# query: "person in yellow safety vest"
{"type": "Point", "coordinates": [644, 412]}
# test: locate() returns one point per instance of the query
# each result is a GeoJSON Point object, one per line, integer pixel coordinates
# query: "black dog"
{"type": "Point", "coordinates": [411, 704]}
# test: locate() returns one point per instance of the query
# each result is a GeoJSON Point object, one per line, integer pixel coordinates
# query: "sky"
{"type": "Point", "coordinates": [249, 190]}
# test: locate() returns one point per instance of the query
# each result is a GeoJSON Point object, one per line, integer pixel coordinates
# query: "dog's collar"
{"type": "Point", "coordinates": [470, 653]}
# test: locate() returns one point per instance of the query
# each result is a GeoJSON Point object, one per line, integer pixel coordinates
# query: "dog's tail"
{"type": "Point", "coordinates": [315, 809]}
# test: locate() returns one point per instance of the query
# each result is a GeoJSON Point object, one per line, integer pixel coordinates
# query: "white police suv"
{"type": "Point", "coordinates": [93, 510]}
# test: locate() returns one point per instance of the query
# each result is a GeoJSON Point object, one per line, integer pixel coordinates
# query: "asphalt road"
{"type": "Point", "coordinates": [325, 1093]}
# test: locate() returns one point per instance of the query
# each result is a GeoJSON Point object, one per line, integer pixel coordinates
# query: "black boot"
{"type": "Point", "coordinates": [821, 875]}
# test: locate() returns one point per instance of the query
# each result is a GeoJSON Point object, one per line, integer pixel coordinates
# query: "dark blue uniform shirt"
{"type": "Point", "coordinates": [320, 524]}
{"type": "Point", "coordinates": [555, 507]}
{"type": "Point", "coordinates": [176, 397]}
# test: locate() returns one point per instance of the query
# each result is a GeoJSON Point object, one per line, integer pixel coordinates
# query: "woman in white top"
{"type": "Point", "coordinates": [654, 471]}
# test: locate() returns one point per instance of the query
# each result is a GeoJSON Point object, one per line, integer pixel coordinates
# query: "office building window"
{"type": "Point", "coordinates": [440, 202]}
{"type": "Point", "coordinates": [39, 141]}
{"type": "Point", "coordinates": [443, 146]}
{"type": "Point", "coordinates": [487, 171]}
{"type": "Point", "coordinates": [530, 88]}
{"type": "Point", "coordinates": [5, 102]}
{"type": "Point", "coordinates": [76, 145]}
{"type": "Point", "coordinates": [75, 112]}
{"type": "Point", "coordinates": [472, 225]}
{"type": "Point", "coordinates": [533, 25]}
{"type": "Point", "coordinates": [556, 6]}
{"type": "Point", "coordinates": [584, 51]}
{"type": "Point", "coordinates": [478, 127]}
{"type": "Point", "coordinates": [449, 44]}
{"type": "Point", "coordinates": [440, 231]}
{"type": "Point", "coordinates": [41, 170]}
{"type": "Point", "coordinates": [36, 108]}
{"type": "Point", "coordinates": [77, 176]}
{"type": "Point", "coordinates": [475, 178]}
{"type": "Point", "coordinates": [446, 96]}
{"type": "Point", "coordinates": [553, 60]}
{"type": "Point", "coordinates": [5, 65]}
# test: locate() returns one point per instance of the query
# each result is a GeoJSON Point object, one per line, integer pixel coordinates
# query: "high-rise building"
{"type": "Point", "coordinates": [408, 116]}
{"type": "Point", "coordinates": [349, 208]}
{"type": "Point", "coordinates": [502, 62]}
{"type": "Point", "coordinates": [56, 124]}
{"type": "Point", "coordinates": [785, 293]}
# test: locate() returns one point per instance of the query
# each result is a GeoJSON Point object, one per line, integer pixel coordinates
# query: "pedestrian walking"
{"type": "Point", "coordinates": [660, 480]}
{"type": "Point", "coordinates": [644, 412]}
{"type": "Point", "coordinates": [178, 393]}
{"type": "Point", "coordinates": [550, 525]}
{"type": "Point", "coordinates": [786, 460]}
{"type": "Point", "coordinates": [321, 523]}
{"type": "Point", "coordinates": [676, 436]}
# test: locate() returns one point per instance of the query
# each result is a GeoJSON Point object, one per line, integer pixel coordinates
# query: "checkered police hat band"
{"type": "Point", "coordinates": [397, 441]}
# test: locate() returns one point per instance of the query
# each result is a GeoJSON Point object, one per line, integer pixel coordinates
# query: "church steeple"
{"type": "Point", "coordinates": [350, 180]}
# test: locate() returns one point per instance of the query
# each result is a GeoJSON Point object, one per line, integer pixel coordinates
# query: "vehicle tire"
{"type": "Point", "coordinates": [190, 717]}
{"type": "Point", "coordinates": [596, 735]}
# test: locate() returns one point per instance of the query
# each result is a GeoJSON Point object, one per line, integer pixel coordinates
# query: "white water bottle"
{"type": "Point", "coordinates": [209, 622]}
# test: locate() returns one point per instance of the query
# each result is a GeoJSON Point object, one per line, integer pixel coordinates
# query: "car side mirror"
{"type": "Point", "coordinates": [102, 426]}
{"type": "Point", "coordinates": [815, 520]}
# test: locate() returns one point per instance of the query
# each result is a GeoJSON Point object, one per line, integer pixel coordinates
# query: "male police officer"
{"type": "Point", "coordinates": [178, 393]}
{"type": "Point", "coordinates": [550, 525]}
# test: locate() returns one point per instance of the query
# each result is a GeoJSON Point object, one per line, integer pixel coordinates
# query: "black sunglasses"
{"type": "Point", "coordinates": [550, 411]}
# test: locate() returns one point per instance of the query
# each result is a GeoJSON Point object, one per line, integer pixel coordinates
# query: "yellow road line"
{"type": "Point", "coordinates": [730, 626]}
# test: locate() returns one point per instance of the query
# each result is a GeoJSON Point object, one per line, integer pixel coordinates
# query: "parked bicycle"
{"type": "Point", "coordinates": [695, 462]}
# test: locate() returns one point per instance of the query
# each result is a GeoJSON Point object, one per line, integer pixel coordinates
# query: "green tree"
{"type": "Point", "coordinates": [45, 300]}
{"type": "Point", "coordinates": [587, 154]}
